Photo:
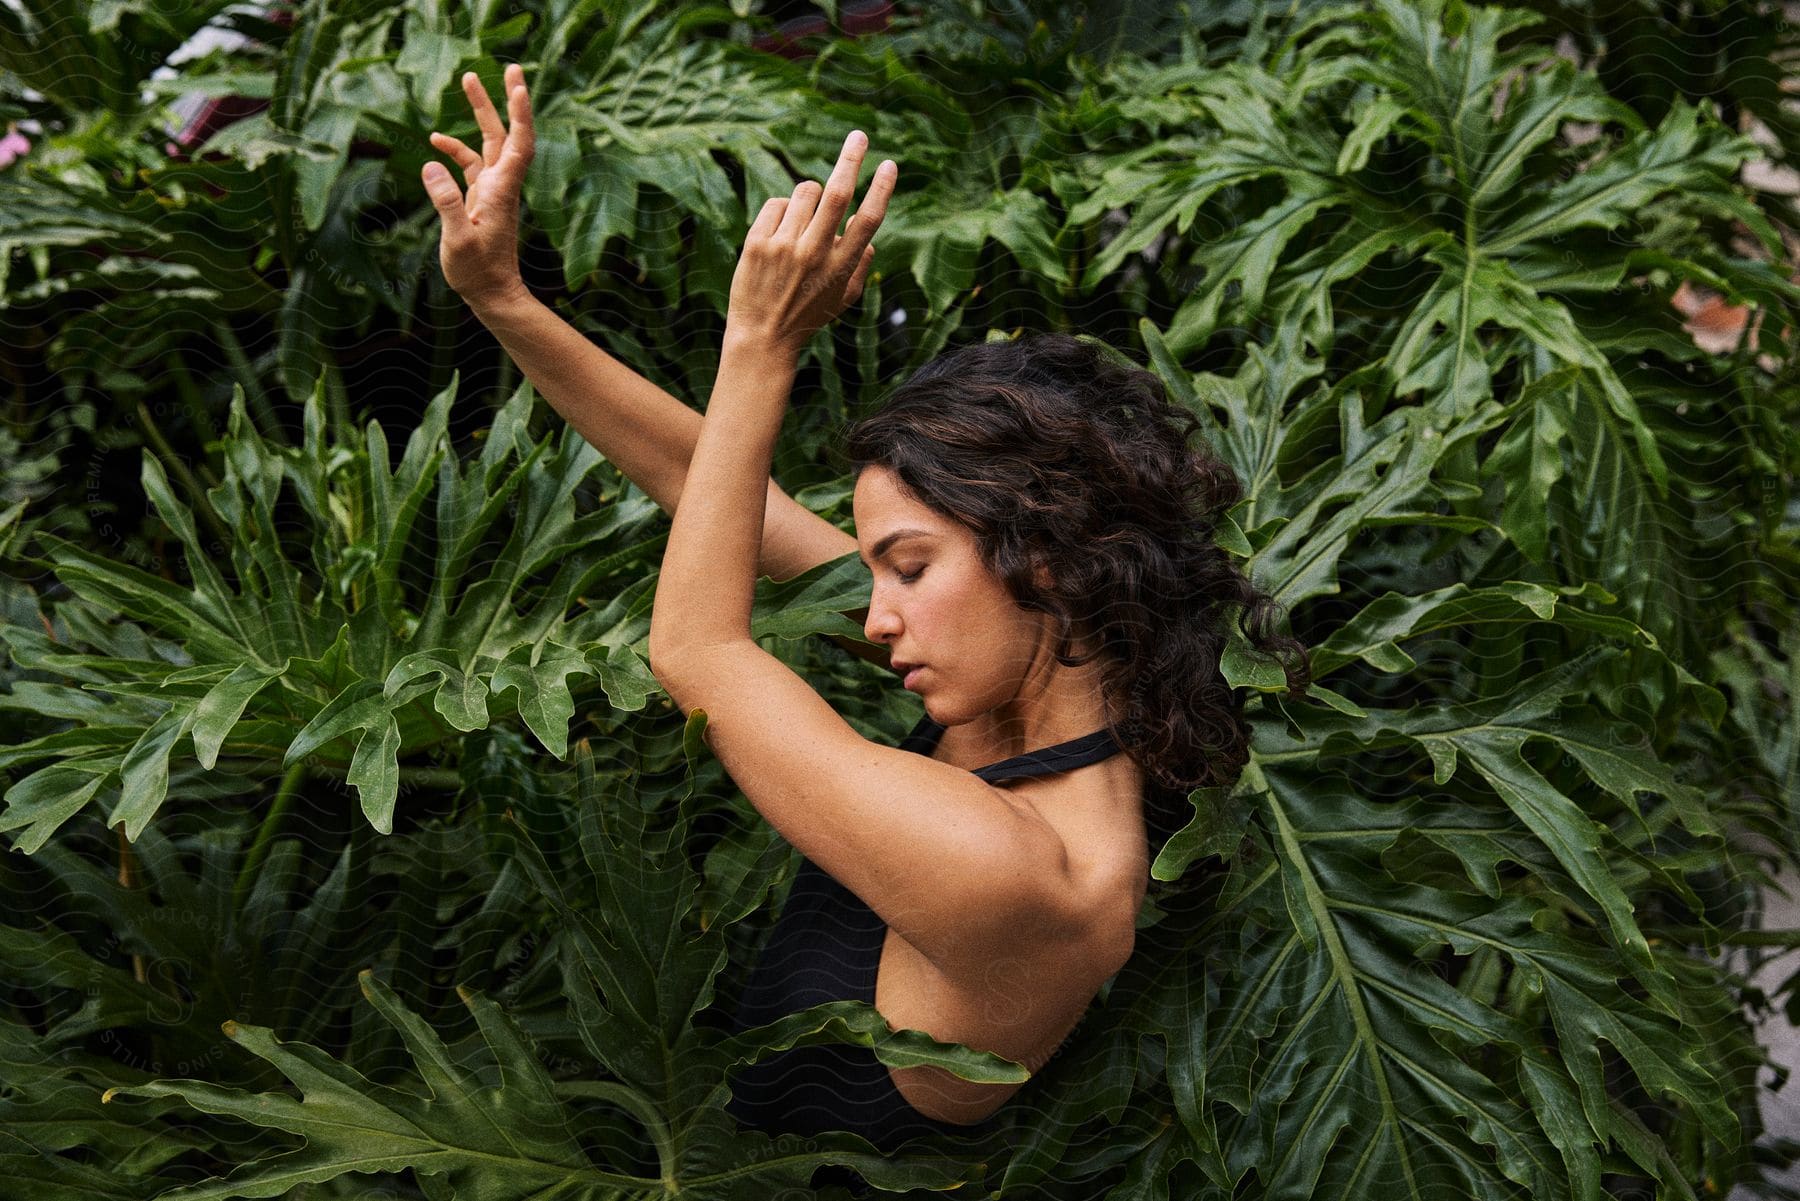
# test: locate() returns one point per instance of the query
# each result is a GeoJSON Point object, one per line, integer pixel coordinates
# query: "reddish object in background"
{"type": "Point", "coordinates": [869, 16]}
{"type": "Point", "coordinates": [219, 111]}
{"type": "Point", "coordinates": [214, 115]}
{"type": "Point", "coordinates": [1715, 326]}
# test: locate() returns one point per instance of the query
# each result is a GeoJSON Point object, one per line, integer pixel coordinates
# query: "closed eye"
{"type": "Point", "coordinates": [907, 579]}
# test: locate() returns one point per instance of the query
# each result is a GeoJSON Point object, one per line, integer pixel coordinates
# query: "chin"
{"type": "Point", "coordinates": [935, 711]}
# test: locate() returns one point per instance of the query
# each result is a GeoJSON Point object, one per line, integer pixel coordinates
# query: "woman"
{"type": "Point", "coordinates": [1045, 579]}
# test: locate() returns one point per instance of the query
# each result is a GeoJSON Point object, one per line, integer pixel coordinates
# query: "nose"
{"type": "Point", "coordinates": [883, 624]}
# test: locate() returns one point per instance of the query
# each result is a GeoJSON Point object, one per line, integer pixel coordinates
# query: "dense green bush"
{"type": "Point", "coordinates": [358, 755]}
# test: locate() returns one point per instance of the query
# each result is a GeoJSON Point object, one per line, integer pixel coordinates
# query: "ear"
{"type": "Point", "coordinates": [1040, 574]}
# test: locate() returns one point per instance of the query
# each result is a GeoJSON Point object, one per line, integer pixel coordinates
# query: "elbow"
{"type": "Point", "coordinates": [663, 658]}
{"type": "Point", "coordinates": [675, 667]}
{"type": "Point", "coordinates": [670, 680]}
{"type": "Point", "coordinates": [689, 671]}
{"type": "Point", "coordinates": [666, 646]}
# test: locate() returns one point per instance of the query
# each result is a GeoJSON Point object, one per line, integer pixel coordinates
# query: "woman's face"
{"type": "Point", "coordinates": [935, 603]}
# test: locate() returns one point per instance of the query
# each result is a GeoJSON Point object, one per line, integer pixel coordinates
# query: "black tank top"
{"type": "Point", "coordinates": [826, 946]}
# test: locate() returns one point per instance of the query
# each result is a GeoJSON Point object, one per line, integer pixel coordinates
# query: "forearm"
{"type": "Point", "coordinates": [705, 589]}
{"type": "Point", "coordinates": [641, 429]}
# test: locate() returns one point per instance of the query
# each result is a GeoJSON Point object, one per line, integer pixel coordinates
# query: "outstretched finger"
{"type": "Point", "coordinates": [522, 141]}
{"type": "Point", "coordinates": [839, 190]}
{"type": "Point", "coordinates": [860, 230]}
{"type": "Point", "coordinates": [467, 159]}
{"type": "Point", "coordinates": [446, 197]}
{"type": "Point", "coordinates": [493, 133]}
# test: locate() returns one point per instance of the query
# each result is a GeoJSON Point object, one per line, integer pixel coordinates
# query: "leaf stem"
{"type": "Point", "coordinates": [637, 1105]}
{"type": "Point", "coordinates": [1789, 939]}
{"type": "Point", "coordinates": [259, 850]}
{"type": "Point", "coordinates": [337, 401]}
{"type": "Point", "coordinates": [195, 404]}
{"type": "Point", "coordinates": [443, 348]}
{"type": "Point", "coordinates": [447, 779]}
{"type": "Point", "coordinates": [245, 372]}
{"type": "Point", "coordinates": [159, 446]}
{"type": "Point", "coordinates": [128, 879]}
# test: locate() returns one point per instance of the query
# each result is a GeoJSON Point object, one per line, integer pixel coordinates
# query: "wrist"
{"type": "Point", "coordinates": [762, 345]}
{"type": "Point", "coordinates": [499, 304]}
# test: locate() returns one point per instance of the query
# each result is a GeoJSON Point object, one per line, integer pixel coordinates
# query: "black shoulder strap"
{"type": "Point", "coordinates": [1064, 756]}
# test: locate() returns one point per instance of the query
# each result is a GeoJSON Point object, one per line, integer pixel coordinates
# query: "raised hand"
{"type": "Point", "coordinates": [478, 245]}
{"type": "Point", "coordinates": [797, 272]}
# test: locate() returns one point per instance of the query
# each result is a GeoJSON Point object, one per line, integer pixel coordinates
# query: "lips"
{"type": "Point", "coordinates": [909, 671]}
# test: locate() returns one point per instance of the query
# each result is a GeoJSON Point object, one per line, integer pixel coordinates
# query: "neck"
{"type": "Point", "coordinates": [1054, 705]}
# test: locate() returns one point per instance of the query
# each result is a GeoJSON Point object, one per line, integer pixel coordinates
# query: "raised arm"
{"type": "Point", "coordinates": [640, 428]}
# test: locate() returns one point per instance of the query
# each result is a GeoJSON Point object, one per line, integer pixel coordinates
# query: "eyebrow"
{"type": "Point", "coordinates": [887, 542]}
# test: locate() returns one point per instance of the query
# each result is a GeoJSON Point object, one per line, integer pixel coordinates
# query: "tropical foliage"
{"type": "Point", "coordinates": [352, 835]}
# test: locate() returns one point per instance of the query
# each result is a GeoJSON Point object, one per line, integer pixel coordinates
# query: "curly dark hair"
{"type": "Point", "coordinates": [1055, 450]}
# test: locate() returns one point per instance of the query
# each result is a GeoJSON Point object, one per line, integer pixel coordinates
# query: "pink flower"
{"type": "Point", "coordinates": [12, 146]}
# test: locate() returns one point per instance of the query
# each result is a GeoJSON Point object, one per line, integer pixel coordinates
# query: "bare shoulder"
{"type": "Point", "coordinates": [1097, 814]}
{"type": "Point", "coordinates": [1032, 987]}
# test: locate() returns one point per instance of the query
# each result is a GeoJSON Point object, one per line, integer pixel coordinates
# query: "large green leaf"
{"type": "Point", "coordinates": [1354, 1063]}
{"type": "Point", "coordinates": [512, 1139]}
{"type": "Point", "coordinates": [334, 658]}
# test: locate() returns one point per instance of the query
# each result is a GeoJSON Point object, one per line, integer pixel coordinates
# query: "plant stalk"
{"type": "Point", "coordinates": [244, 371]}
{"type": "Point", "coordinates": [195, 404]}
{"type": "Point", "coordinates": [196, 494]}
{"type": "Point", "coordinates": [128, 878]}
{"type": "Point", "coordinates": [265, 835]}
